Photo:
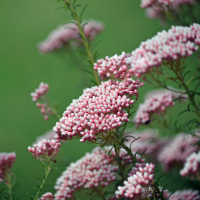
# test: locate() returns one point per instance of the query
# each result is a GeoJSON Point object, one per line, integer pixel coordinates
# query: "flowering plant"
{"type": "Point", "coordinates": [124, 163]}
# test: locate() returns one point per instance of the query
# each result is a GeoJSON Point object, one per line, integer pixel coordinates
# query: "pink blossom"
{"type": "Point", "coordinates": [114, 67]}
{"type": "Point", "coordinates": [166, 46]}
{"type": "Point", "coordinates": [69, 32]}
{"type": "Point", "coordinates": [156, 102]}
{"type": "Point", "coordinates": [94, 170]}
{"type": "Point", "coordinates": [141, 176]}
{"type": "Point", "coordinates": [99, 110]}
{"type": "Point", "coordinates": [163, 3]}
{"type": "Point", "coordinates": [6, 162]}
{"type": "Point", "coordinates": [47, 196]}
{"type": "Point", "coordinates": [45, 110]}
{"type": "Point", "coordinates": [92, 28]}
{"type": "Point", "coordinates": [177, 150]}
{"type": "Point", "coordinates": [154, 12]}
{"type": "Point", "coordinates": [185, 195]}
{"type": "Point", "coordinates": [40, 92]}
{"type": "Point", "coordinates": [159, 8]}
{"type": "Point", "coordinates": [191, 165]}
{"type": "Point", "coordinates": [45, 149]}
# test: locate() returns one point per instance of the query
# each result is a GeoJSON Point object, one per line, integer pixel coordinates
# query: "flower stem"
{"type": "Point", "coordinates": [9, 185]}
{"type": "Point", "coordinates": [120, 143]}
{"type": "Point", "coordinates": [85, 40]}
{"type": "Point", "coordinates": [192, 78]}
{"type": "Point", "coordinates": [191, 97]}
{"type": "Point", "coordinates": [53, 110]}
{"type": "Point", "coordinates": [47, 171]}
{"type": "Point", "coordinates": [120, 164]}
{"type": "Point", "coordinates": [178, 73]}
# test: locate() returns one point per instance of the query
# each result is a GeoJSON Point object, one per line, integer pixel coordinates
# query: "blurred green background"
{"type": "Point", "coordinates": [25, 23]}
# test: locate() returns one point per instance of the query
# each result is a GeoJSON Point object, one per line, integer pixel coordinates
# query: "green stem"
{"type": "Point", "coordinates": [120, 164]}
{"type": "Point", "coordinates": [47, 171]}
{"type": "Point", "coordinates": [53, 110]}
{"type": "Point", "coordinates": [9, 185]}
{"type": "Point", "coordinates": [188, 83]}
{"type": "Point", "coordinates": [85, 40]}
{"type": "Point", "coordinates": [126, 148]}
{"type": "Point", "coordinates": [178, 73]}
{"type": "Point", "coordinates": [191, 97]}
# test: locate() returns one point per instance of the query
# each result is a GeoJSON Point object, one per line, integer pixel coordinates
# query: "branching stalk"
{"type": "Point", "coordinates": [85, 40]}
{"type": "Point", "coordinates": [9, 185]}
{"type": "Point", "coordinates": [47, 169]}
{"type": "Point", "coordinates": [120, 143]}
{"type": "Point", "coordinates": [120, 164]}
{"type": "Point", "coordinates": [178, 73]}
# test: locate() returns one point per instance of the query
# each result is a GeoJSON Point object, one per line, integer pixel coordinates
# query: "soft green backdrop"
{"type": "Point", "coordinates": [23, 24]}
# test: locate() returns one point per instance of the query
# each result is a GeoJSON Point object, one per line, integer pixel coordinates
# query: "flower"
{"type": "Point", "coordinates": [45, 148]}
{"type": "Point", "coordinates": [156, 102]}
{"type": "Point", "coordinates": [69, 32]}
{"type": "Point", "coordinates": [114, 67]}
{"type": "Point", "coordinates": [99, 110]}
{"type": "Point", "coordinates": [6, 162]}
{"type": "Point", "coordinates": [94, 170]}
{"type": "Point", "coordinates": [40, 92]}
{"type": "Point", "coordinates": [47, 196]}
{"type": "Point", "coordinates": [185, 195]}
{"type": "Point", "coordinates": [168, 46]}
{"type": "Point", "coordinates": [191, 165]}
{"type": "Point", "coordinates": [163, 3]}
{"type": "Point", "coordinates": [177, 150]}
{"type": "Point", "coordinates": [141, 176]}
{"type": "Point", "coordinates": [162, 7]}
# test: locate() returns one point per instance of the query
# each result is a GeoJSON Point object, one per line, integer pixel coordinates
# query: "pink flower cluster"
{"type": "Point", "coordinates": [114, 67]}
{"type": "Point", "coordinates": [185, 195]}
{"type": "Point", "coordinates": [192, 165]}
{"type": "Point", "coordinates": [69, 32]}
{"type": "Point", "coordinates": [6, 162]}
{"type": "Point", "coordinates": [94, 170]}
{"type": "Point", "coordinates": [47, 196]}
{"type": "Point", "coordinates": [39, 94]}
{"type": "Point", "coordinates": [141, 176]}
{"type": "Point", "coordinates": [156, 102]}
{"type": "Point", "coordinates": [100, 109]}
{"type": "Point", "coordinates": [154, 12]}
{"type": "Point", "coordinates": [45, 149]}
{"type": "Point", "coordinates": [168, 45]}
{"type": "Point", "coordinates": [177, 150]}
{"type": "Point", "coordinates": [157, 8]}
{"type": "Point", "coordinates": [173, 3]}
{"type": "Point", "coordinates": [45, 110]}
